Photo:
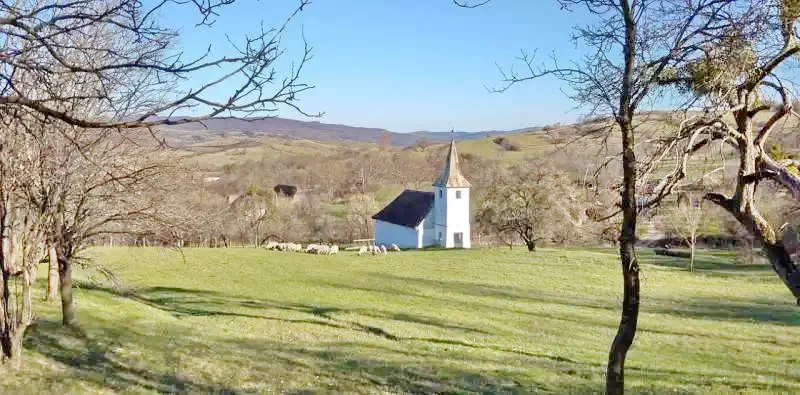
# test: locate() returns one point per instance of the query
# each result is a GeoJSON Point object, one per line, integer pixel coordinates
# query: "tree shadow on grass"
{"type": "Point", "coordinates": [94, 362]}
{"type": "Point", "coordinates": [343, 365]}
{"type": "Point", "coordinates": [182, 302]}
{"type": "Point", "coordinates": [738, 310]}
{"type": "Point", "coordinates": [711, 265]}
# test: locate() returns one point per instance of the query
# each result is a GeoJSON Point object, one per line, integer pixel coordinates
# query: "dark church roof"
{"type": "Point", "coordinates": [408, 209]}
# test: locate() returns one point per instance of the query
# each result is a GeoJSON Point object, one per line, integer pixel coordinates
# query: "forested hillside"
{"type": "Point", "coordinates": [341, 184]}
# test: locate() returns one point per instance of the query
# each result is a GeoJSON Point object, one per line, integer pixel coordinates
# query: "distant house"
{"type": "Point", "coordinates": [233, 198]}
{"type": "Point", "coordinates": [418, 219]}
{"type": "Point", "coordinates": [285, 191]}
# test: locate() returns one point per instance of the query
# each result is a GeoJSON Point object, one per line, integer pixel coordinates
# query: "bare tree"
{"type": "Point", "coordinates": [686, 220]}
{"type": "Point", "coordinates": [631, 47]}
{"type": "Point", "coordinates": [735, 81]}
{"type": "Point", "coordinates": [531, 202]}
{"type": "Point", "coordinates": [359, 212]}
{"type": "Point", "coordinates": [23, 235]}
{"type": "Point", "coordinates": [73, 77]}
{"type": "Point", "coordinates": [106, 45]}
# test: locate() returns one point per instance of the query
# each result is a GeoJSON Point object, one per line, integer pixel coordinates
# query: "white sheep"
{"type": "Point", "coordinates": [271, 245]}
{"type": "Point", "coordinates": [334, 250]}
{"type": "Point", "coordinates": [323, 250]}
{"type": "Point", "coordinates": [395, 248]}
{"type": "Point", "coordinates": [363, 250]}
{"type": "Point", "coordinates": [383, 249]}
{"type": "Point", "coordinates": [312, 248]}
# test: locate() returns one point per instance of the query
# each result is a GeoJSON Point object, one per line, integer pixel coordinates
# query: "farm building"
{"type": "Point", "coordinates": [418, 219]}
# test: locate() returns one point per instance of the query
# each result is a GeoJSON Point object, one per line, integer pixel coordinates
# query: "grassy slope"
{"type": "Point", "coordinates": [462, 321]}
{"type": "Point", "coordinates": [225, 150]}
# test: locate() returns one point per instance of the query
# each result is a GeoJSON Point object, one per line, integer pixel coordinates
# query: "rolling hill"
{"type": "Point", "coordinates": [257, 128]}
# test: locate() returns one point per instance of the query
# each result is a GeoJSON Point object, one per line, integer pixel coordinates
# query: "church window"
{"type": "Point", "coordinates": [440, 194]}
{"type": "Point", "coordinates": [458, 194]}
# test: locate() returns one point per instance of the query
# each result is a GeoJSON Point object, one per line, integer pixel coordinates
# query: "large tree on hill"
{"type": "Point", "coordinates": [630, 47]}
{"type": "Point", "coordinates": [531, 202]}
{"type": "Point", "coordinates": [741, 86]}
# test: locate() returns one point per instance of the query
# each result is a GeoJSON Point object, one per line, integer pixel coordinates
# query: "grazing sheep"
{"type": "Point", "coordinates": [363, 250]}
{"type": "Point", "coordinates": [294, 247]}
{"type": "Point", "coordinates": [312, 249]}
{"type": "Point", "coordinates": [271, 245]}
{"type": "Point", "coordinates": [383, 249]}
{"type": "Point", "coordinates": [395, 248]}
{"type": "Point", "coordinates": [323, 250]}
{"type": "Point", "coordinates": [334, 249]}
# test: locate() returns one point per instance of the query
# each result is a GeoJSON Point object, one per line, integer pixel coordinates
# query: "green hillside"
{"type": "Point", "coordinates": [470, 321]}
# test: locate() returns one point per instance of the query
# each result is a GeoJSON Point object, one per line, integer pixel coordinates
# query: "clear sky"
{"type": "Point", "coordinates": [408, 65]}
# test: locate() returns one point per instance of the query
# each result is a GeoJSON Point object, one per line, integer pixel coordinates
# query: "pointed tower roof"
{"type": "Point", "coordinates": [451, 174]}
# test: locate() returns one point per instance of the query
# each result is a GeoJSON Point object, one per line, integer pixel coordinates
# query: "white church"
{"type": "Point", "coordinates": [417, 219]}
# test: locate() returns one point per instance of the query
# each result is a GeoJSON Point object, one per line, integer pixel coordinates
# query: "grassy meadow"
{"type": "Point", "coordinates": [479, 321]}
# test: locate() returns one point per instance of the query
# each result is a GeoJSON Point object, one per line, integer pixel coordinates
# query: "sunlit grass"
{"type": "Point", "coordinates": [479, 321]}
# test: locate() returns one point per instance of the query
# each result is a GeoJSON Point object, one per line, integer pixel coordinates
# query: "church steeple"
{"type": "Point", "coordinates": [451, 174]}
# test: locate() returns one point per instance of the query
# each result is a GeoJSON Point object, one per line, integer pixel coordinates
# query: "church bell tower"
{"type": "Point", "coordinates": [451, 204]}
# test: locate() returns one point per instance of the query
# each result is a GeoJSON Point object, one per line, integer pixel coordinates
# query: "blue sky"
{"type": "Point", "coordinates": [413, 64]}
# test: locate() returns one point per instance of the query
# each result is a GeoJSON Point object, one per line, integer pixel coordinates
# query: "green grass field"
{"type": "Point", "coordinates": [479, 321]}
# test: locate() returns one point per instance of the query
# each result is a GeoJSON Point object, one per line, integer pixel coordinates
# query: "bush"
{"type": "Point", "coordinates": [507, 144]}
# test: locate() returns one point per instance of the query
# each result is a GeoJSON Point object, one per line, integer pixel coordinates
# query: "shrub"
{"type": "Point", "coordinates": [507, 144]}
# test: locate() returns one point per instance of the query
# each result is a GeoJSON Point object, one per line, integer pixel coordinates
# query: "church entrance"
{"type": "Point", "coordinates": [458, 240]}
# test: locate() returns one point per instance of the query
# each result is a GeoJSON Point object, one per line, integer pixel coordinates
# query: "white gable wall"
{"type": "Point", "coordinates": [388, 233]}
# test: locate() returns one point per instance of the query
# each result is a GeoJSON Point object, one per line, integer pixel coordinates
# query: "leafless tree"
{"type": "Point", "coordinates": [686, 220]}
{"type": "Point", "coordinates": [736, 80]}
{"type": "Point", "coordinates": [359, 212]}
{"type": "Point", "coordinates": [532, 202]}
{"type": "Point", "coordinates": [105, 45]}
{"type": "Point", "coordinates": [631, 46]}
{"type": "Point", "coordinates": [23, 232]}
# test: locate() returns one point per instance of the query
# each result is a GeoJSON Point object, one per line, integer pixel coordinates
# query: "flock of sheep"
{"type": "Point", "coordinates": [377, 249]}
{"type": "Point", "coordinates": [324, 249]}
{"type": "Point", "coordinates": [319, 249]}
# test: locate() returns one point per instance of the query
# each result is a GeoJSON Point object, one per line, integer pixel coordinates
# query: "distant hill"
{"type": "Point", "coordinates": [243, 128]}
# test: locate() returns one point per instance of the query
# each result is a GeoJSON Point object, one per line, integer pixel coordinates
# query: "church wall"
{"type": "Point", "coordinates": [428, 234]}
{"type": "Point", "coordinates": [388, 234]}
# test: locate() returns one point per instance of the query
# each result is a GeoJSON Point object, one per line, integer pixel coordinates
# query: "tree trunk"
{"type": "Point", "coordinates": [693, 242]}
{"type": "Point", "coordinates": [782, 264]}
{"type": "Point", "coordinates": [615, 377]}
{"type": "Point", "coordinates": [13, 326]}
{"type": "Point", "coordinates": [615, 373]}
{"type": "Point", "coordinates": [6, 325]}
{"type": "Point", "coordinates": [65, 282]}
{"type": "Point", "coordinates": [52, 275]}
{"type": "Point", "coordinates": [758, 226]}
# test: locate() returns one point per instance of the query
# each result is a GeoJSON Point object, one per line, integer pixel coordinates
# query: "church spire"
{"type": "Point", "coordinates": [451, 174]}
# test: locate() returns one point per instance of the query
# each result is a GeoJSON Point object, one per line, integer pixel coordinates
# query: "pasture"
{"type": "Point", "coordinates": [480, 321]}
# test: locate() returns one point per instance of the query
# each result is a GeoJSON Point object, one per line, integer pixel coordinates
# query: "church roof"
{"type": "Point", "coordinates": [451, 174]}
{"type": "Point", "coordinates": [408, 209]}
